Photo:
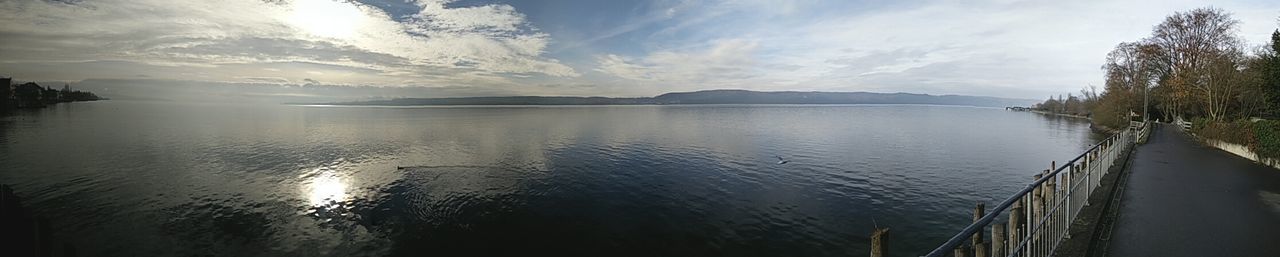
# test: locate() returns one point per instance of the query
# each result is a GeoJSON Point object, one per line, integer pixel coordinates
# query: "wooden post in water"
{"type": "Point", "coordinates": [978, 212]}
{"type": "Point", "coordinates": [1051, 183]}
{"type": "Point", "coordinates": [1086, 175]}
{"type": "Point", "coordinates": [997, 239]}
{"type": "Point", "coordinates": [1015, 226]}
{"type": "Point", "coordinates": [878, 241]}
{"type": "Point", "coordinates": [1066, 182]}
{"type": "Point", "coordinates": [1068, 199]}
{"type": "Point", "coordinates": [1051, 190]}
{"type": "Point", "coordinates": [961, 251]}
{"type": "Point", "coordinates": [979, 247]}
{"type": "Point", "coordinates": [1088, 159]}
{"type": "Point", "coordinates": [1037, 198]}
{"type": "Point", "coordinates": [1037, 212]}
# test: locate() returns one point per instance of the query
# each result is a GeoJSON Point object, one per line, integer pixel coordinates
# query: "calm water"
{"type": "Point", "coordinates": [137, 179]}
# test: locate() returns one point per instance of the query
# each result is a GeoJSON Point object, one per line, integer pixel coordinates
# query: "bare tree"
{"type": "Point", "coordinates": [1131, 69]}
{"type": "Point", "coordinates": [1224, 80]}
{"type": "Point", "coordinates": [1194, 45]}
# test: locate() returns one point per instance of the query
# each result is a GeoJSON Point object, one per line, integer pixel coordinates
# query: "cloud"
{"type": "Point", "coordinates": [268, 80]}
{"type": "Point", "coordinates": [206, 36]}
{"type": "Point", "coordinates": [1000, 48]}
{"type": "Point", "coordinates": [1024, 49]}
{"type": "Point", "coordinates": [723, 63]}
{"type": "Point", "coordinates": [264, 91]}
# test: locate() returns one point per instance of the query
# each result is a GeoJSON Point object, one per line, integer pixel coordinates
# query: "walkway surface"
{"type": "Point", "coordinates": [1186, 199]}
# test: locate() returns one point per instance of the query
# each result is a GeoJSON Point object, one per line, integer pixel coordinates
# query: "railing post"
{"type": "Point", "coordinates": [1041, 215]}
{"type": "Point", "coordinates": [878, 241]}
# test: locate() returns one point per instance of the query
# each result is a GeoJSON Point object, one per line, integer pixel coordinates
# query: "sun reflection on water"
{"type": "Point", "coordinates": [326, 188]}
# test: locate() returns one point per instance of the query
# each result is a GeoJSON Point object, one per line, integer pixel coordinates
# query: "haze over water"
{"type": "Point", "coordinates": [122, 178]}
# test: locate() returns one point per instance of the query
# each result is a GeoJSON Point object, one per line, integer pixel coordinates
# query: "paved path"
{"type": "Point", "coordinates": [1186, 199]}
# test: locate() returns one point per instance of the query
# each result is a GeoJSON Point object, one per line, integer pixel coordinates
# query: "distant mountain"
{"type": "Point", "coordinates": [507, 100]}
{"type": "Point", "coordinates": [715, 97]}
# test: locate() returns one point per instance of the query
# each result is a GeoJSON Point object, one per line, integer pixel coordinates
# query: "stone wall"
{"type": "Point", "coordinates": [1242, 151]}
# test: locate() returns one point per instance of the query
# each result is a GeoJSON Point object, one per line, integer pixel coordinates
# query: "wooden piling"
{"type": "Point", "coordinates": [1066, 180]}
{"type": "Point", "coordinates": [1050, 202]}
{"type": "Point", "coordinates": [1049, 184]}
{"type": "Point", "coordinates": [1051, 190]}
{"type": "Point", "coordinates": [1036, 202]}
{"type": "Point", "coordinates": [961, 251]}
{"type": "Point", "coordinates": [1037, 212]}
{"type": "Point", "coordinates": [997, 240]}
{"type": "Point", "coordinates": [1015, 225]}
{"type": "Point", "coordinates": [1089, 158]}
{"type": "Point", "coordinates": [978, 211]}
{"type": "Point", "coordinates": [979, 247]}
{"type": "Point", "coordinates": [878, 242]}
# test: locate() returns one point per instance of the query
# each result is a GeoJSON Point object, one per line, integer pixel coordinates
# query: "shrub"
{"type": "Point", "coordinates": [1198, 124]}
{"type": "Point", "coordinates": [1236, 132]}
{"type": "Point", "coordinates": [1267, 137]}
{"type": "Point", "coordinates": [1110, 116]}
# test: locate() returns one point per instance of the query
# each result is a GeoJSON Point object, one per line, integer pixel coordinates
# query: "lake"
{"type": "Point", "coordinates": [119, 178]}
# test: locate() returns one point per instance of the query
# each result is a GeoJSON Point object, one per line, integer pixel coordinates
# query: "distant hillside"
{"type": "Point", "coordinates": [715, 97]}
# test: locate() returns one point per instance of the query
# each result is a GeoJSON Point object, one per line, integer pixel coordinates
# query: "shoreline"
{"type": "Point", "coordinates": [1061, 114]}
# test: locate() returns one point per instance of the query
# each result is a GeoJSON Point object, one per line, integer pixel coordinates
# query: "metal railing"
{"type": "Point", "coordinates": [1039, 216]}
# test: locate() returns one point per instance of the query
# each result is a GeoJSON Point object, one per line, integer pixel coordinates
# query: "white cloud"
{"type": "Point", "coordinates": [729, 63]}
{"type": "Point", "coordinates": [480, 41]}
{"type": "Point", "coordinates": [1001, 48]}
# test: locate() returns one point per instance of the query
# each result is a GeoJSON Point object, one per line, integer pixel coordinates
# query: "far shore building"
{"type": "Point", "coordinates": [28, 95]}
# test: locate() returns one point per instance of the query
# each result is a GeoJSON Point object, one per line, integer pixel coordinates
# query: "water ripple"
{"type": "Point", "coordinates": [238, 180]}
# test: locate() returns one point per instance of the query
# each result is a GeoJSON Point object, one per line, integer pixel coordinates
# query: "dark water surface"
{"type": "Point", "coordinates": [163, 179]}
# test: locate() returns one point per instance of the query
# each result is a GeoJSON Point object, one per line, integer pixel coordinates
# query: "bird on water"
{"type": "Point", "coordinates": [781, 160]}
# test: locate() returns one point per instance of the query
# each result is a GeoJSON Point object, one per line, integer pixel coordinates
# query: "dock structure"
{"type": "Point", "coordinates": [1036, 220]}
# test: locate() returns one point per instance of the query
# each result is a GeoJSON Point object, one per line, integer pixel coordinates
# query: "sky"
{"type": "Point", "coordinates": [442, 48]}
